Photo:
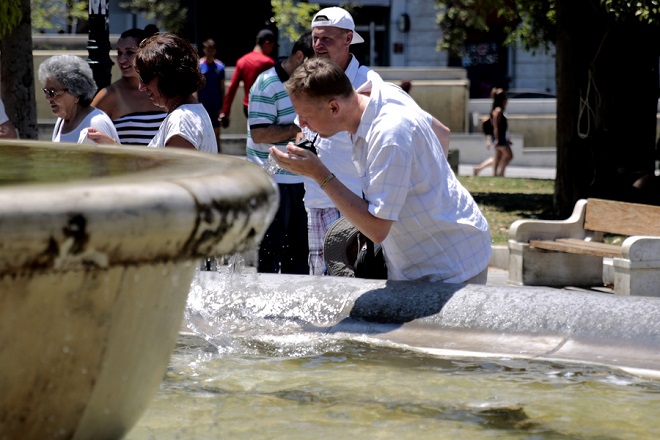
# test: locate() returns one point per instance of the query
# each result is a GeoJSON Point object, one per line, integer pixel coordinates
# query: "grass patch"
{"type": "Point", "coordinates": [504, 200]}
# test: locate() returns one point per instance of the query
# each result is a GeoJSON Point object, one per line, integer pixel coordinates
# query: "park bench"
{"type": "Point", "coordinates": [571, 252]}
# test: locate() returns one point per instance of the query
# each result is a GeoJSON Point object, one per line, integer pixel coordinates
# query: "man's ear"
{"type": "Point", "coordinates": [349, 36]}
{"type": "Point", "coordinates": [334, 106]}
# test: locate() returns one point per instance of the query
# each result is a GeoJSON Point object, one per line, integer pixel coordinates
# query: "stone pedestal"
{"type": "Point", "coordinates": [99, 246]}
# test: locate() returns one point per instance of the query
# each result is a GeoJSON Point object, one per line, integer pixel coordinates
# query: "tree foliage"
{"type": "Point", "coordinates": [530, 23]}
{"type": "Point", "coordinates": [10, 16]}
{"type": "Point", "coordinates": [42, 12]}
{"type": "Point", "coordinates": [168, 14]}
{"type": "Point", "coordinates": [598, 49]}
{"type": "Point", "coordinates": [647, 11]}
{"type": "Point", "coordinates": [293, 18]}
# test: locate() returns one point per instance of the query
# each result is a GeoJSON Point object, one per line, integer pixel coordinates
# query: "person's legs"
{"type": "Point", "coordinates": [505, 158]}
{"type": "Point", "coordinates": [270, 247]}
{"type": "Point", "coordinates": [216, 130]}
{"type": "Point", "coordinates": [487, 162]}
{"type": "Point", "coordinates": [295, 255]}
{"type": "Point", "coordinates": [319, 221]}
{"type": "Point", "coordinates": [497, 161]}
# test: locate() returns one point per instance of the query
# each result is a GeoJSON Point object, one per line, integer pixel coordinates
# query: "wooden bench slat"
{"type": "Point", "coordinates": [604, 247]}
{"type": "Point", "coordinates": [575, 246]}
{"type": "Point", "coordinates": [622, 218]}
{"type": "Point", "coordinates": [609, 216]}
{"type": "Point", "coordinates": [591, 244]}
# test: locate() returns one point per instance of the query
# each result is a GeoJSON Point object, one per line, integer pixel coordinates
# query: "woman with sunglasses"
{"type": "Point", "coordinates": [168, 68]}
{"type": "Point", "coordinates": [69, 88]}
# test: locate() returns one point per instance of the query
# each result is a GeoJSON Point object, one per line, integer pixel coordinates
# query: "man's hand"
{"type": "Point", "coordinates": [224, 120]}
{"type": "Point", "coordinates": [300, 161]}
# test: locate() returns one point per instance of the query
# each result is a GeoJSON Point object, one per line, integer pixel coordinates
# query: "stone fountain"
{"type": "Point", "coordinates": [98, 249]}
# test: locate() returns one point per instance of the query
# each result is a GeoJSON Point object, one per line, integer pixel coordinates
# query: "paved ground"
{"type": "Point", "coordinates": [512, 171]}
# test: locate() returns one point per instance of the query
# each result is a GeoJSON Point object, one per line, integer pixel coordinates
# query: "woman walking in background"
{"type": "Point", "coordinates": [497, 134]}
{"type": "Point", "coordinates": [503, 153]}
{"type": "Point", "coordinates": [136, 118]}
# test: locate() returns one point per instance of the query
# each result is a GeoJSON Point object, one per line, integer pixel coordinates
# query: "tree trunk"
{"type": "Point", "coordinates": [607, 97]}
{"type": "Point", "coordinates": [17, 73]}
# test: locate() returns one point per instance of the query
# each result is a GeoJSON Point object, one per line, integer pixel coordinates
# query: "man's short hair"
{"type": "Point", "coordinates": [319, 78]}
{"type": "Point", "coordinates": [266, 35]}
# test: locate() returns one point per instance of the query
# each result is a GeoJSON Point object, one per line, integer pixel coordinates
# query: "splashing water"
{"type": "Point", "coordinates": [271, 166]}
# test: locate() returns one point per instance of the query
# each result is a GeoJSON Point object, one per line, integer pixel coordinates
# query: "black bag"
{"type": "Point", "coordinates": [370, 262]}
{"type": "Point", "coordinates": [487, 127]}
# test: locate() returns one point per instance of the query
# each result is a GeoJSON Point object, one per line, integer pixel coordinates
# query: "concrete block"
{"type": "Point", "coordinates": [537, 267]}
{"type": "Point", "coordinates": [638, 271]}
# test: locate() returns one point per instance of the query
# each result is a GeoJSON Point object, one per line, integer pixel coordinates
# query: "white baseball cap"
{"type": "Point", "coordinates": [337, 17]}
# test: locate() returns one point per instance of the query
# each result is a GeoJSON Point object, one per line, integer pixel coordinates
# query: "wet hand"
{"type": "Point", "coordinates": [299, 161]}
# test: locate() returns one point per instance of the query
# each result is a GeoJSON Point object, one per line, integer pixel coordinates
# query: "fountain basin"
{"type": "Point", "coordinates": [522, 322]}
{"type": "Point", "coordinates": [99, 246]}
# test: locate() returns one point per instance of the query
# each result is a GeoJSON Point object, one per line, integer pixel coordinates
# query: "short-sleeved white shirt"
{"type": "Point", "coordinates": [97, 118]}
{"type": "Point", "coordinates": [191, 122]}
{"type": "Point", "coordinates": [336, 151]}
{"type": "Point", "coordinates": [438, 231]}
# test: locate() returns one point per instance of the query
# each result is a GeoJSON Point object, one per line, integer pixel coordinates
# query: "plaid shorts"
{"type": "Point", "coordinates": [319, 221]}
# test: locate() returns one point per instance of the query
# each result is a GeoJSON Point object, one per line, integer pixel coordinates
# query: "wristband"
{"type": "Point", "coordinates": [327, 179]}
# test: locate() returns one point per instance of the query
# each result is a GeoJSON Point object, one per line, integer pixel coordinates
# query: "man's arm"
{"type": "Point", "coordinates": [352, 206]}
{"type": "Point", "coordinates": [270, 134]}
{"type": "Point", "coordinates": [229, 97]}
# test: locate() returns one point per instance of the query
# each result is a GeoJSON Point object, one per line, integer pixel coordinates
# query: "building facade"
{"type": "Point", "coordinates": [397, 33]}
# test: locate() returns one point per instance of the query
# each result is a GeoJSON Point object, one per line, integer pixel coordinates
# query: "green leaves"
{"type": "Point", "coordinates": [169, 14]}
{"type": "Point", "coordinates": [293, 19]}
{"type": "Point", "coordinates": [10, 16]}
{"type": "Point", "coordinates": [643, 10]}
{"type": "Point", "coordinates": [530, 23]}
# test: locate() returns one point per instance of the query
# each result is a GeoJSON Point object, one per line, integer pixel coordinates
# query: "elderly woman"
{"type": "Point", "coordinates": [69, 88]}
{"type": "Point", "coordinates": [168, 68]}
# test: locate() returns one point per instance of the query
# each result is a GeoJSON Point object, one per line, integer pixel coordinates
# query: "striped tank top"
{"type": "Point", "coordinates": [138, 128]}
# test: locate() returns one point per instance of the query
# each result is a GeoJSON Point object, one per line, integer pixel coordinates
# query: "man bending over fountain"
{"type": "Point", "coordinates": [429, 225]}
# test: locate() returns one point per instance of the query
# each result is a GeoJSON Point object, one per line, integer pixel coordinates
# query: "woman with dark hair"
{"type": "Point", "coordinates": [136, 118]}
{"type": "Point", "coordinates": [503, 153]}
{"type": "Point", "coordinates": [69, 88]}
{"type": "Point", "coordinates": [497, 134]}
{"type": "Point", "coordinates": [168, 69]}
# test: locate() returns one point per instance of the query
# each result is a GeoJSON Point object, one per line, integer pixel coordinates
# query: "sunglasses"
{"type": "Point", "coordinates": [51, 93]}
{"type": "Point", "coordinates": [145, 78]}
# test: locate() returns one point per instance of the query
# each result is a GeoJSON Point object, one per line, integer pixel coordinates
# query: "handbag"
{"type": "Point", "coordinates": [370, 261]}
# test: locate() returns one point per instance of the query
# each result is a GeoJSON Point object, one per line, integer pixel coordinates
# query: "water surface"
{"type": "Point", "coordinates": [251, 377]}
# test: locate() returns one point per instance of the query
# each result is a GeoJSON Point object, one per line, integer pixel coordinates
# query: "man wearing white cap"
{"type": "Point", "coordinates": [333, 32]}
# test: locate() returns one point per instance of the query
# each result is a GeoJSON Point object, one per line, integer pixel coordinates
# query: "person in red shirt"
{"type": "Point", "coordinates": [248, 67]}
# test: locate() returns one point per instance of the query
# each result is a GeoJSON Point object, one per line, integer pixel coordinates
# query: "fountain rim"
{"type": "Point", "coordinates": [200, 202]}
{"type": "Point", "coordinates": [166, 163]}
